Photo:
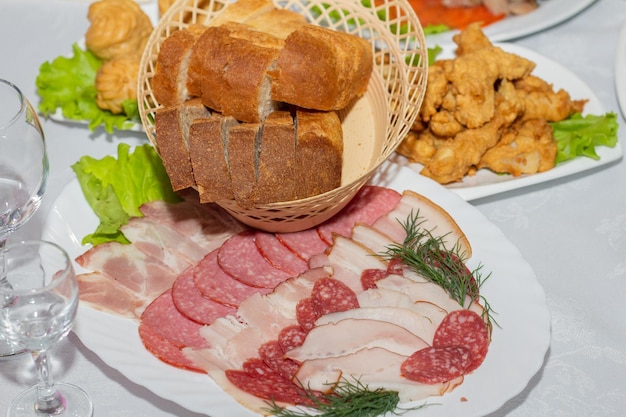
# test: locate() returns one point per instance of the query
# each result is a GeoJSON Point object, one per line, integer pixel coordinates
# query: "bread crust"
{"type": "Point", "coordinates": [276, 180]}
{"type": "Point", "coordinates": [319, 152]}
{"type": "Point", "coordinates": [321, 69]}
{"type": "Point", "coordinates": [207, 148]}
{"type": "Point", "coordinates": [169, 83]}
{"type": "Point", "coordinates": [172, 140]}
{"type": "Point", "coordinates": [235, 77]}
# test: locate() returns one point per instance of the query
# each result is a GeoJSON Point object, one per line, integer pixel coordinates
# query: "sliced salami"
{"type": "Point", "coordinates": [163, 316]}
{"type": "Point", "coordinates": [370, 276]}
{"type": "Point", "coordinates": [190, 302]}
{"type": "Point", "coordinates": [306, 313]}
{"type": "Point", "coordinates": [215, 284]}
{"type": "Point", "coordinates": [433, 365]}
{"type": "Point", "coordinates": [240, 258]}
{"type": "Point", "coordinates": [164, 349]}
{"type": "Point", "coordinates": [291, 337]}
{"type": "Point", "coordinates": [279, 255]}
{"type": "Point", "coordinates": [330, 295]}
{"type": "Point", "coordinates": [274, 356]}
{"type": "Point", "coordinates": [467, 329]}
{"type": "Point", "coordinates": [305, 243]}
{"type": "Point", "coordinates": [366, 207]}
{"type": "Point", "coordinates": [260, 380]}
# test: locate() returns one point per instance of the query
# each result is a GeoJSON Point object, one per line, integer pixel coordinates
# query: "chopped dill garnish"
{"type": "Point", "coordinates": [348, 399]}
{"type": "Point", "coordinates": [428, 256]}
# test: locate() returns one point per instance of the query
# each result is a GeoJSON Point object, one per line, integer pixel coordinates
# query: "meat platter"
{"type": "Point", "coordinates": [516, 354]}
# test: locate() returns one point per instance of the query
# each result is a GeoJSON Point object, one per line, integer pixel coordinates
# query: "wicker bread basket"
{"type": "Point", "coordinates": [373, 127]}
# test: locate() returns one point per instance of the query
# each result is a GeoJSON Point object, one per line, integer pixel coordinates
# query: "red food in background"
{"type": "Point", "coordinates": [432, 12]}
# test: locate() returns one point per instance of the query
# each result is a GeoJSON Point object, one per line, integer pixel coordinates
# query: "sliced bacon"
{"type": "Point", "coordinates": [140, 273]}
{"type": "Point", "coordinates": [105, 294]}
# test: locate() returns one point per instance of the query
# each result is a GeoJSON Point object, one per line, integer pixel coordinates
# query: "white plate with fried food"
{"type": "Point", "coordinates": [548, 14]}
{"type": "Point", "coordinates": [485, 182]}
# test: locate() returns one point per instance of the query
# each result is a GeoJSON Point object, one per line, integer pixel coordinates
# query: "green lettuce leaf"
{"type": "Point", "coordinates": [116, 188]}
{"type": "Point", "coordinates": [579, 135]}
{"type": "Point", "coordinates": [68, 83]}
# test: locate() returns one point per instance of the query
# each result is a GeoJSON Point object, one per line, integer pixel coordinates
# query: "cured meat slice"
{"type": "Point", "coordinates": [105, 294]}
{"type": "Point", "coordinates": [274, 356]}
{"type": "Point", "coordinates": [372, 238]}
{"type": "Point", "coordinates": [291, 337]}
{"type": "Point", "coordinates": [305, 243]}
{"type": "Point", "coordinates": [205, 224]}
{"type": "Point", "coordinates": [289, 293]}
{"type": "Point", "coordinates": [215, 284]}
{"type": "Point", "coordinates": [433, 365]}
{"type": "Point", "coordinates": [376, 368]}
{"type": "Point", "coordinates": [163, 316]}
{"type": "Point", "coordinates": [190, 302]}
{"type": "Point", "coordinates": [260, 380]}
{"type": "Point", "coordinates": [306, 313]}
{"type": "Point", "coordinates": [466, 329]}
{"type": "Point", "coordinates": [330, 295]}
{"type": "Point", "coordinates": [240, 258]}
{"type": "Point", "coordinates": [164, 348]}
{"type": "Point", "coordinates": [163, 243]}
{"type": "Point", "coordinates": [433, 218]}
{"type": "Point", "coordinates": [279, 255]}
{"type": "Point", "coordinates": [366, 207]}
{"type": "Point", "coordinates": [130, 267]}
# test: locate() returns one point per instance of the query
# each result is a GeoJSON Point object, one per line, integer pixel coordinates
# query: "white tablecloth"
{"type": "Point", "coordinates": [572, 231]}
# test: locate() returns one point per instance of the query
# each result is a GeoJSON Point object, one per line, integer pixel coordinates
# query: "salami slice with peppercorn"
{"type": "Point", "coordinates": [433, 365]}
{"type": "Point", "coordinates": [467, 329]}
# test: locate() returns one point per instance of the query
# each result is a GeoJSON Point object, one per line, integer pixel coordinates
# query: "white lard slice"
{"type": "Point", "coordinates": [375, 367]}
{"type": "Point", "coordinates": [351, 335]}
{"type": "Point", "coordinates": [416, 323]}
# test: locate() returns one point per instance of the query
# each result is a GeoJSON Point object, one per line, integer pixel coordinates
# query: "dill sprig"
{"type": "Point", "coordinates": [428, 256]}
{"type": "Point", "coordinates": [348, 399]}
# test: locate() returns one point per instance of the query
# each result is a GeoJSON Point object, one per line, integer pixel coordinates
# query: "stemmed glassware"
{"type": "Point", "coordinates": [23, 169]}
{"type": "Point", "coordinates": [38, 302]}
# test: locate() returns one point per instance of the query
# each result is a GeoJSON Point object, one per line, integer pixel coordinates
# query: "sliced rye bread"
{"type": "Point", "coordinates": [319, 152]}
{"type": "Point", "coordinates": [276, 180]}
{"type": "Point", "coordinates": [172, 140]}
{"type": "Point", "coordinates": [208, 144]}
{"type": "Point", "coordinates": [243, 161]}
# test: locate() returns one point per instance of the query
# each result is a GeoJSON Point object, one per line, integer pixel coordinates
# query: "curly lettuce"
{"type": "Point", "coordinates": [115, 188]}
{"type": "Point", "coordinates": [579, 135]}
{"type": "Point", "coordinates": [68, 84]}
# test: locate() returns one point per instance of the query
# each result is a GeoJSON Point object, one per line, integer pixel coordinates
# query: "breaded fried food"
{"type": "Point", "coordinates": [484, 109]}
{"type": "Point", "coordinates": [526, 147]}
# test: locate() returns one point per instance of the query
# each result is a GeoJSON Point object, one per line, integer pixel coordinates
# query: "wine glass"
{"type": "Point", "coordinates": [23, 169]}
{"type": "Point", "coordinates": [38, 301]}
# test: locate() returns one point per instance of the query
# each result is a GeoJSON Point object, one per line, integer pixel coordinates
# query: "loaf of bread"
{"type": "Point", "coordinates": [235, 78]}
{"type": "Point", "coordinates": [321, 69]}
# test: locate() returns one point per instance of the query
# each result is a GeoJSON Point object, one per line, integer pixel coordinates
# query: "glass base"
{"type": "Point", "coordinates": [8, 350]}
{"type": "Point", "coordinates": [77, 403]}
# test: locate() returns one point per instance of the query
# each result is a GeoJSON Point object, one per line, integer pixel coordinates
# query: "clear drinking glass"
{"type": "Point", "coordinates": [38, 302]}
{"type": "Point", "coordinates": [23, 169]}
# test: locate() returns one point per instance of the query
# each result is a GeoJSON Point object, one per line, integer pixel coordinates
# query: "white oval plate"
{"type": "Point", "coordinates": [548, 14]}
{"type": "Point", "coordinates": [486, 183]}
{"type": "Point", "coordinates": [515, 355]}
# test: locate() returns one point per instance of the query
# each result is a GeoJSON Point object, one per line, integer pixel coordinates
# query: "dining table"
{"type": "Point", "coordinates": [571, 230]}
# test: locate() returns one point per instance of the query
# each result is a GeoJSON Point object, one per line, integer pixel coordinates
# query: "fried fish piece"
{"type": "Point", "coordinates": [542, 102]}
{"type": "Point", "coordinates": [526, 147]}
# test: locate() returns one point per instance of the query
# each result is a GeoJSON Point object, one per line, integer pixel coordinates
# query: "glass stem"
{"type": "Point", "coordinates": [49, 401]}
